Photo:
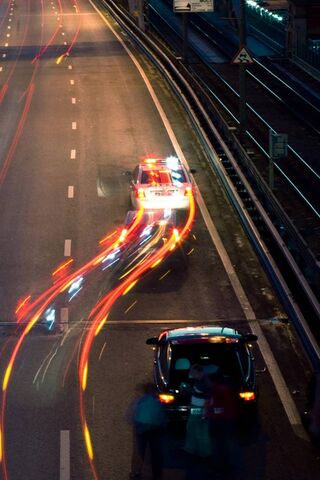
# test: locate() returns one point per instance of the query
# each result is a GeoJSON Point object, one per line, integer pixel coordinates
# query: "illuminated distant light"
{"type": "Point", "coordinates": [50, 316]}
{"type": "Point", "coordinates": [141, 194]}
{"type": "Point", "coordinates": [61, 267]}
{"type": "Point", "coordinates": [59, 59]}
{"type": "Point", "coordinates": [22, 303]}
{"type": "Point", "coordinates": [156, 262]}
{"type": "Point", "coordinates": [76, 284]}
{"type": "Point", "coordinates": [172, 162]}
{"type": "Point", "coordinates": [247, 396]}
{"type": "Point", "coordinates": [264, 11]}
{"type": "Point", "coordinates": [31, 323]}
{"type": "Point", "coordinates": [6, 377]}
{"type": "Point", "coordinates": [104, 239]}
{"type": "Point", "coordinates": [66, 286]}
{"type": "Point", "coordinates": [166, 398]}
{"type": "Point", "coordinates": [88, 442]}
{"type": "Point", "coordinates": [99, 327]}
{"type": "Point", "coordinates": [123, 235]}
{"type": "Point", "coordinates": [150, 160]}
{"type": "Point", "coordinates": [84, 377]}
{"type": "Point", "coordinates": [176, 234]}
{"type": "Point", "coordinates": [132, 284]}
{"type": "Point", "coordinates": [99, 260]}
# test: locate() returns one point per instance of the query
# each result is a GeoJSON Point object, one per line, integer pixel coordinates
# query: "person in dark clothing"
{"type": "Point", "coordinates": [197, 440]}
{"type": "Point", "coordinates": [149, 419]}
{"type": "Point", "coordinates": [222, 414]}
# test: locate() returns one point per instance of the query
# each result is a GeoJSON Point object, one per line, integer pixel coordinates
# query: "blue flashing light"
{"type": "Point", "coordinates": [50, 317]}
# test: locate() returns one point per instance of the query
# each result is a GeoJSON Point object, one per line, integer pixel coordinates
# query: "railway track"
{"type": "Point", "coordinates": [290, 264]}
{"type": "Point", "coordinates": [273, 104]}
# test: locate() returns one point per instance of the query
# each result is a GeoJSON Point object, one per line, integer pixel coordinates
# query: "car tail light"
{"type": "Point", "coordinates": [247, 396]}
{"type": "Point", "coordinates": [166, 398]}
{"type": "Point", "coordinates": [187, 191]}
{"type": "Point", "coordinates": [140, 193]}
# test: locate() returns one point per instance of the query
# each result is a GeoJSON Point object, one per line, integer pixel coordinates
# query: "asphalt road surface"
{"type": "Point", "coordinates": [76, 114]}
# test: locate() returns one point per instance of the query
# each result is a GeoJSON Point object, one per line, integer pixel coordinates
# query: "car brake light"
{"type": "Point", "coordinates": [140, 193]}
{"type": "Point", "coordinates": [166, 398]}
{"type": "Point", "coordinates": [247, 396]}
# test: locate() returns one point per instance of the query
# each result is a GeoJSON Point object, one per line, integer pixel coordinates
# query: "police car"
{"type": "Point", "coordinates": [161, 184]}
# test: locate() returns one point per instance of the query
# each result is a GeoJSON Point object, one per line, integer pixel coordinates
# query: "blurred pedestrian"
{"type": "Point", "coordinates": [197, 440]}
{"type": "Point", "coordinates": [222, 414]}
{"type": "Point", "coordinates": [149, 420]}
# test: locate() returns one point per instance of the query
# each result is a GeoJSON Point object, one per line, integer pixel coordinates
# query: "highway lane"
{"type": "Point", "coordinates": [114, 128]}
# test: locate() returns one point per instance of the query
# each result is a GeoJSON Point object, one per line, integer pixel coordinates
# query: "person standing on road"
{"type": "Point", "coordinates": [197, 440]}
{"type": "Point", "coordinates": [222, 414]}
{"type": "Point", "coordinates": [149, 420]}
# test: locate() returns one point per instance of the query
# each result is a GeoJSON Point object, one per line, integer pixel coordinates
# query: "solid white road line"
{"type": "Point", "coordinates": [67, 248]}
{"type": "Point", "coordinates": [65, 455]}
{"type": "Point", "coordinates": [276, 375]}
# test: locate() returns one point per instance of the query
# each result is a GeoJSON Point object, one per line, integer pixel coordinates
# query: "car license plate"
{"type": "Point", "coordinates": [196, 411]}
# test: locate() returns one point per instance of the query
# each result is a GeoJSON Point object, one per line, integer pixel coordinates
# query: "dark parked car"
{"type": "Point", "coordinates": [214, 348]}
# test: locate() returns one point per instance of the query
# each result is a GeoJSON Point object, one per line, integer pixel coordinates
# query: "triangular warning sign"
{"type": "Point", "coordinates": [243, 56]}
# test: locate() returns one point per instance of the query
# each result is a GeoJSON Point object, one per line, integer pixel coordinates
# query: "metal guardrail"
{"type": "Point", "coordinates": [213, 126]}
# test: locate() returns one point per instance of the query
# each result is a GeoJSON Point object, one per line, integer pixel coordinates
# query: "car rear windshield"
{"type": "Point", "coordinates": [210, 355]}
{"type": "Point", "coordinates": [160, 176]}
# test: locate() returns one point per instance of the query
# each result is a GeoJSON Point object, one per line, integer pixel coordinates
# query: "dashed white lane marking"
{"type": "Point", "coordinates": [67, 248]}
{"type": "Point", "coordinates": [4, 55]}
{"type": "Point", "coordinates": [73, 100]}
{"type": "Point", "coordinates": [6, 44]}
{"type": "Point", "coordinates": [73, 154]}
{"type": "Point", "coordinates": [9, 26]}
{"type": "Point", "coordinates": [64, 318]}
{"type": "Point", "coordinates": [62, 33]}
{"type": "Point", "coordinates": [64, 43]}
{"type": "Point", "coordinates": [10, 20]}
{"type": "Point", "coordinates": [0, 69]}
{"type": "Point", "coordinates": [276, 375]}
{"type": "Point", "coordinates": [65, 455]}
{"type": "Point", "coordinates": [71, 191]}
{"type": "Point", "coordinates": [71, 82]}
{"type": "Point", "coordinates": [8, 35]}
{"type": "Point", "coordinates": [70, 67]}
{"type": "Point", "coordinates": [74, 125]}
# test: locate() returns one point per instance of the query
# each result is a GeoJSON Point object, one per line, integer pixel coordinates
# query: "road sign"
{"type": "Point", "coordinates": [183, 6]}
{"type": "Point", "coordinates": [243, 56]}
{"type": "Point", "coordinates": [278, 145]}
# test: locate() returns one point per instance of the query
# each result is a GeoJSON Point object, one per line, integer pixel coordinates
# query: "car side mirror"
{"type": "Point", "coordinates": [152, 341]}
{"type": "Point", "coordinates": [250, 337]}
